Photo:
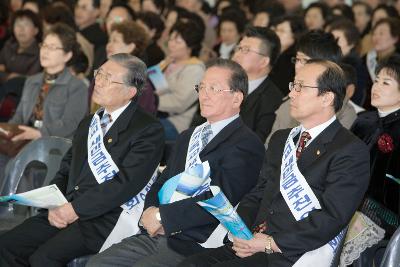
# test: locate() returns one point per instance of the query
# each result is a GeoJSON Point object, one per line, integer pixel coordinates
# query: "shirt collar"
{"type": "Point", "coordinates": [315, 131]}
{"type": "Point", "coordinates": [115, 114]}
{"type": "Point", "coordinates": [385, 113]}
{"type": "Point", "coordinates": [253, 84]}
{"type": "Point", "coordinates": [216, 127]}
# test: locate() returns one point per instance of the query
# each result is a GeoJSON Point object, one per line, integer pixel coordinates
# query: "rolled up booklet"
{"type": "Point", "coordinates": [186, 184]}
{"type": "Point", "coordinates": [220, 207]}
{"type": "Point", "coordinates": [47, 197]}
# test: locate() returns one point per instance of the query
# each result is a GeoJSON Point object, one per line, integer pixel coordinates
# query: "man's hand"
{"type": "Point", "coordinates": [150, 222]}
{"type": "Point", "coordinates": [61, 216]}
{"type": "Point", "coordinates": [246, 248]}
{"type": "Point", "coordinates": [28, 133]}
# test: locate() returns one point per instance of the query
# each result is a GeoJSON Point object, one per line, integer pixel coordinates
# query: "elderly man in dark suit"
{"type": "Point", "coordinates": [235, 157]}
{"type": "Point", "coordinates": [257, 53]}
{"type": "Point", "coordinates": [313, 179]}
{"type": "Point", "coordinates": [125, 148]}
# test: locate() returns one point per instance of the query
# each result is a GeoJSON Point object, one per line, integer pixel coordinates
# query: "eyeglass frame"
{"type": "Point", "coordinates": [302, 61]}
{"type": "Point", "coordinates": [50, 48]}
{"type": "Point", "coordinates": [107, 77]}
{"type": "Point", "coordinates": [292, 86]}
{"type": "Point", "coordinates": [245, 50]}
{"type": "Point", "coordinates": [214, 91]}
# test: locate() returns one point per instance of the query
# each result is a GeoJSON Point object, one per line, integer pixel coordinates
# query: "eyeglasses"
{"type": "Point", "coordinates": [302, 61]}
{"type": "Point", "coordinates": [298, 86]}
{"type": "Point", "coordinates": [50, 47]}
{"type": "Point", "coordinates": [210, 90]}
{"type": "Point", "coordinates": [245, 50]}
{"type": "Point", "coordinates": [99, 75]}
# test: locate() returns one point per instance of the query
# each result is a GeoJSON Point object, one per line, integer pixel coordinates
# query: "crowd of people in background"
{"type": "Point", "coordinates": [51, 52]}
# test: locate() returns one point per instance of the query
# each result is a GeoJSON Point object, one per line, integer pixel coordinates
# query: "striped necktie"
{"type": "Point", "coordinates": [105, 120]}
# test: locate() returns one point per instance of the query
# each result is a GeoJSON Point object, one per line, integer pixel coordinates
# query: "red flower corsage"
{"type": "Point", "coordinates": [385, 143]}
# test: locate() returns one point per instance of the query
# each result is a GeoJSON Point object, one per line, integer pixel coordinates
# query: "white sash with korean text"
{"type": "Point", "coordinates": [103, 168]}
{"type": "Point", "coordinates": [301, 200]}
{"type": "Point", "coordinates": [192, 158]}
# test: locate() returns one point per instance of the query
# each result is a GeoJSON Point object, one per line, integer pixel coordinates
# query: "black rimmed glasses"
{"type": "Point", "coordinates": [298, 86]}
{"type": "Point", "coordinates": [302, 61]}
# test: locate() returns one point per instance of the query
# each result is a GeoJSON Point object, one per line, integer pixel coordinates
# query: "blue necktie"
{"type": "Point", "coordinates": [105, 120]}
{"type": "Point", "coordinates": [205, 135]}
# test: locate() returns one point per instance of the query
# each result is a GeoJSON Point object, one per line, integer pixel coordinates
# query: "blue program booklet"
{"type": "Point", "coordinates": [220, 207]}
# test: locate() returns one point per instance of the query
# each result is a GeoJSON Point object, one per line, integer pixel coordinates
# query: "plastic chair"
{"type": "Point", "coordinates": [47, 150]}
{"type": "Point", "coordinates": [391, 258]}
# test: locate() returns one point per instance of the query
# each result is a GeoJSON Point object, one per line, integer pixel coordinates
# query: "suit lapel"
{"type": "Point", "coordinates": [119, 125]}
{"type": "Point", "coordinates": [318, 147]}
{"type": "Point", "coordinates": [254, 96]}
{"type": "Point", "coordinates": [222, 136]}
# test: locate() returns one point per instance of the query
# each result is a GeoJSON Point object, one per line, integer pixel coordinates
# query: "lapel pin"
{"type": "Point", "coordinates": [318, 152]}
{"type": "Point", "coordinates": [109, 140]}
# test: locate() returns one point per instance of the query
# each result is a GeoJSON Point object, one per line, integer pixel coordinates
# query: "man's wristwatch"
{"type": "Point", "coordinates": [268, 247]}
{"type": "Point", "coordinates": [158, 217]}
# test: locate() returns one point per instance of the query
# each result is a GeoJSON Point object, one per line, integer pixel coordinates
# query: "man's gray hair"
{"type": "Point", "coordinates": [136, 74]}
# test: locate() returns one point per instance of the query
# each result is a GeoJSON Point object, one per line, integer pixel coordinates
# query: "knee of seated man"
{"type": "Point", "coordinates": [40, 258]}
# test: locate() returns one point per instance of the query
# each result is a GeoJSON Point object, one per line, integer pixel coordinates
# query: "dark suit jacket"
{"type": "Point", "coordinates": [335, 165]}
{"type": "Point", "coordinates": [135, 142]}
{"type": "Point", "coordinates": [235, 155]}
{"type": "Point", "coordinates": [258, 110]}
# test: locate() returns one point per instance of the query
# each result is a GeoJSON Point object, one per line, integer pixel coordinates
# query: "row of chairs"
{"type": "Point", "coordinates": [51, 150]}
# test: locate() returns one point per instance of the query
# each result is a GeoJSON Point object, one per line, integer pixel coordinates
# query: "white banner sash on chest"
{"type": "Point", "coordinates": [192, 158]}
{"type": "Point", "coordinates": [301, 200]}
{"type": "Point", "coordinates": [294, 188]}
{"type": "Point", "coordinates": [103, 168]}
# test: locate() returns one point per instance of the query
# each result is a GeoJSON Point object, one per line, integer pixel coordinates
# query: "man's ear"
{"type": "Point", "coordinates": [237, 99]}
{"type": "Point", "coordinates": [132, 91]}
{"type": "Point", "coordinates": [328, 99]}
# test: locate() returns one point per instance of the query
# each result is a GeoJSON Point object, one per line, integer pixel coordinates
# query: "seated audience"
{"type": "Point", "coordinates": [20, 54]}
{"type": "Point", "coordinates": [182, 70]}
{"type": "Point", "coordinates": [174, 231]}
{"type": "Point", "coordinates": [362, 17]}
{"type": "Point", "coordinates": [347, 37]}
{"type": "Point", "coordinates": [53, 101]}
{"type": "Point", "coordinates": [230, 28]}
{"type": "Point", "coordinates": [86, 14]}
{"type": "Point", "coordinates": [289, 29]}
{"type": "Point", "coordinates": [380, 130]}
{"type": "Point", "coordinates": [266, 12]}
{"type": "Point", "coordinates": [154, 27]}
{"type": "Point", "coordinates": [133, 143]}
{"type": "Point", "coordinates": [58, 12]}
{"type": "Point", "coordinates": [257, 53]}
{"type": "Point", "coordinates": [313, 45]}
{"type": "Point", "coordinates": [286, 223]}
{"type": "Point", "coordinates": [117, 14]}
{"type": "Point", "coordinates": [129, 37]}
{"type": "Point", "coordinates": [385, 41]}
{"type": "Point", "coordinates": [316, 15]}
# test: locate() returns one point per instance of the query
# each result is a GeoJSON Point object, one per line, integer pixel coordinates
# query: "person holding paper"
{"type": "Point", "coordinates": [104, 175]}
{"type": "Point", "coordinates": [234, 153]}
{"type": "Point", "coordinates": [313, 179]}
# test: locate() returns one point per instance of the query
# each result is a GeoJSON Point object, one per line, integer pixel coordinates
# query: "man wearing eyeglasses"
{"type": "Point", "coordinates": [234, 153]}
{"type": "Point", "coordinates": [314, 45]}
{"type": "Point", "coordinates": [313, 179]}
{"type": "Point", "coordinates": [257, 53]}
{"type": "Point", "coordinates": [104, 176]}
